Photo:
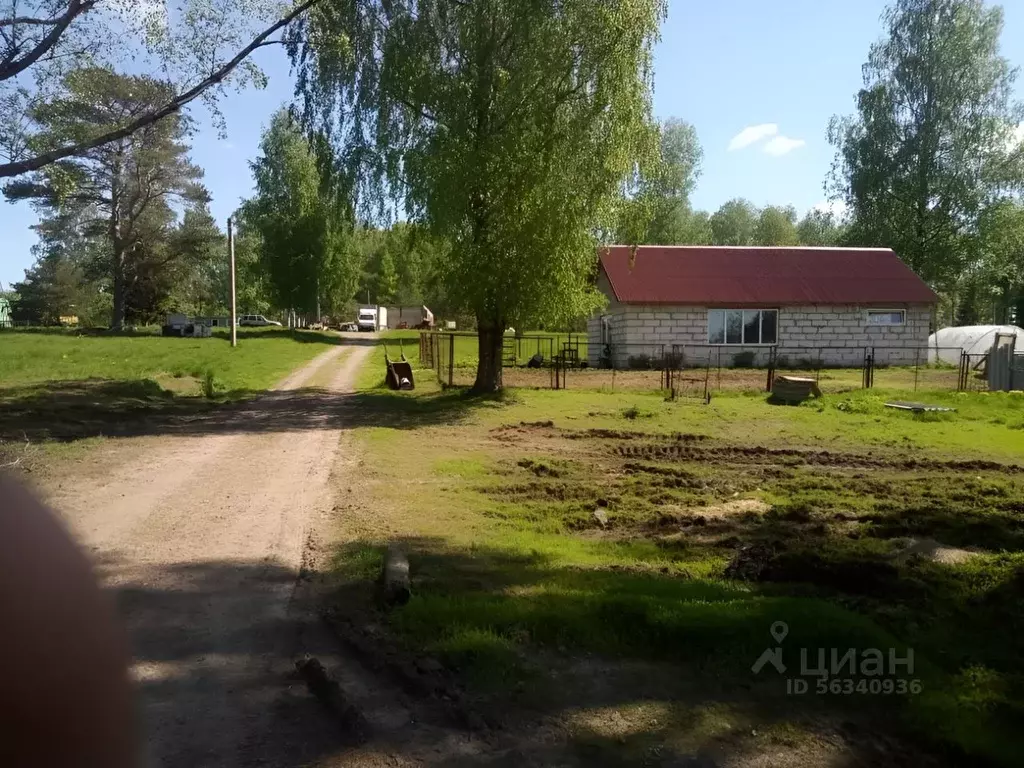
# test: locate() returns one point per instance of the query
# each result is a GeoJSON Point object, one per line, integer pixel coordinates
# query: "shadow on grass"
{"type": "Point", "coordinates": [533, 635]}
{"type": "Point", "coordinates": [74, 410]}
{"type": "Point", "coordinates": [209, 637]}
{"type": "Point", "coordinates": [147, 331]}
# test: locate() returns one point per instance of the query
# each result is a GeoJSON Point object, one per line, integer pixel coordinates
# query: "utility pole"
{"type": "Point", "coordinates": [234, 306]}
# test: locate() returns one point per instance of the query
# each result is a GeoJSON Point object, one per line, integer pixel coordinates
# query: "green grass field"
{"type": "Point", "coordinates": [857, 525]}
{"type": "Point", "coordinates": [71, 386]}
{"type": "Point", "coordinates": [261, 358]}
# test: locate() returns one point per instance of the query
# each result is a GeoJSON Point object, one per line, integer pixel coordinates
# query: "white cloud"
{"type": "Point", "coordinates": [782, 145]}
{"type": "Point", "coordinates": [752, 134]}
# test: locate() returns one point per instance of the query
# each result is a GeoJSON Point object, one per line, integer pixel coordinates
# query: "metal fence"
{"type": "Point", "coordinates": [699, 370]}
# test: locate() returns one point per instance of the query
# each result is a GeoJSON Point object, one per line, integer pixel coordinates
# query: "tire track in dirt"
{"type": "Point", "coordinates": [201, 543]}
{"type": "Point", "coordinates": [99, 509]}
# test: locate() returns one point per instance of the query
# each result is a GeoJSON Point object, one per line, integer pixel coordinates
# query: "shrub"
{"type": "Point", "coordinates": [640, 362]}
{"type": "Point", "coordinates": [744, 359]}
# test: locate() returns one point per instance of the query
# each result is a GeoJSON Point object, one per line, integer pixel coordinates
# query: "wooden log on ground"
{"type": "Point", "coordinates": [328, 693]}
{"type": "Point", "coordinates": [395, 576]}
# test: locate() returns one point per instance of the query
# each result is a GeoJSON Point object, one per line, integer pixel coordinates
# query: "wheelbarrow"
{"type": "Point", "coordinates": [399, 372]}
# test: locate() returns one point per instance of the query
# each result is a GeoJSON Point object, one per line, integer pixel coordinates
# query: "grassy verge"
{"type": "Point", "coordinates": [261, 358]}
{"type": "Point", "coordinates": [553, 534]}
{"type": "Point", "coordinates": [71, 386]}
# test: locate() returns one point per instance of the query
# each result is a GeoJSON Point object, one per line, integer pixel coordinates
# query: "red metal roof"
{"type": "Point", "coordinates": [722, 275]}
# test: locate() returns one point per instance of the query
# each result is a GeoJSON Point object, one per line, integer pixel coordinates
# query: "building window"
{"type": "Point", "coordinates": [887, 317]}
{"type": "Point", "coordinates": [743, 326]}
{"type": "Point", "coordinates": [606, 329]}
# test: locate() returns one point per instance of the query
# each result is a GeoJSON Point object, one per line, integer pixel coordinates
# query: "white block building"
{"type": "Point", "coordinates": [737, 304]}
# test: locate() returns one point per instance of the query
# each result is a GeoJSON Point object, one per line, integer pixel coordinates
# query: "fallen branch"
{"type": "Point", "coordinates": [328, 692]}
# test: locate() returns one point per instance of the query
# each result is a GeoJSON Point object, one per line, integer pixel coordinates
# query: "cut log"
{"type": "Point", "coordinates": [395, 576]}
{"type": "Point", "coordinates": [329, 693]}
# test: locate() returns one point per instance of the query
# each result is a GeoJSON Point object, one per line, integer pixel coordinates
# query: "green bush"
{"type": "Point", "coordinates": [640, 363]}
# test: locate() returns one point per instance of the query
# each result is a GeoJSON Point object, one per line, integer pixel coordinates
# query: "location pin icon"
{"type": "Point", "coordinates": [779, 631]}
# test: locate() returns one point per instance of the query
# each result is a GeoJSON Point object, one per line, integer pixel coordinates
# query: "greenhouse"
{"type": "Point", "coordinates": [945, 345]}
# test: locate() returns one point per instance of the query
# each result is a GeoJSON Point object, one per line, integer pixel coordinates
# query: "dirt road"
{"type": "Point", "coordinates": [201, 540]}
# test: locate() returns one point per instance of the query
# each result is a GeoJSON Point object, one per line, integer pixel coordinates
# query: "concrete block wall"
{"type": "Point", "coordinates": [619, 337]}
{"type": "Point", "coordinates": [594, 341]}
{"type": "Point", "coordinates": [842, 333]}
{"type": "Point", "coordinates": [837, 335]}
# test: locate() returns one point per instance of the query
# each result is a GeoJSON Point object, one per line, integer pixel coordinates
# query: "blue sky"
{"type": "Point", "coordinates": [782, 67]}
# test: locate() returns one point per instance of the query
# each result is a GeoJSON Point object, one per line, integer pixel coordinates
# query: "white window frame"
{"type": "Point", "coordinates": [741, 343]}
{"type": "Point", "coordinates": [869, 312]}
{"type": "Point", "coordinates": [606, 330]}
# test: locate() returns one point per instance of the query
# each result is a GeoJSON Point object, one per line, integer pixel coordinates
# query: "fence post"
{"type": "Point", "coordinates": [771, 370]}
{"type": "Point", "coordinates": [451, 360]}
{"type": "Point", "coordinates": [917, 365]}
{"type": "Point", "coordinates": [437, 357]}
{"type": "Point", "coordinates": [869, 367]}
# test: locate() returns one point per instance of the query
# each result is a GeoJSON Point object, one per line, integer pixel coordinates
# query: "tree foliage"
{"type": "Point", "coordinates": [304, 242]}
{"type": "Point", "coordinates": [776, 226]}
{"type": "Point", "coordinates": [734, 223]}
{"type": "Point", "coordinates": [123, 189]}
{"type": "Point", "coordinates": [930, 145]}
{"type": "Point", "coordinates": [820, 229]}
{"type": "Point", "coordinates": [995, 278]}
{"type": "Point", "coordinates": [656, 210]}
{"type": "Point", "coordinates": [200, 280]}
{"type": "Point", "coordinates": [508, 128]}
{"type": "Point", "coordinates": [199, 45]}
{"type": "Point", "coordinates": [61, 281]}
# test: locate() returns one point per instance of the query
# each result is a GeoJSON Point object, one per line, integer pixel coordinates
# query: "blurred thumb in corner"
{"type": "Point", "coordinates": [65, 695]}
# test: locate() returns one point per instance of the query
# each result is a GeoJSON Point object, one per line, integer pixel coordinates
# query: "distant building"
{"type": "Point", "coordinates": [828, 304]}
{"type": "Point", "coordinates": [5, 312]}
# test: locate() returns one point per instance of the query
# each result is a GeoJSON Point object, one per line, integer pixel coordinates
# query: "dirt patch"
{"type": "Point", "coordinates": [736, 507]}
{"type": "Point", "coordinates": [620, 434]}
{"type": "Point", "coordinates": [548, 429]}
{"type": "Point", "coordinates": [794, 456]}
{"type": "Point", "coordinates": [539, 468]}
{"type": "Point", "coordinates": [936, 552]}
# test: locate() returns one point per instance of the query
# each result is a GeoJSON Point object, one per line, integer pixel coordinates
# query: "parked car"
{"type": "Point", "coordinates": [256, 321]}
{"type": "Point", "coordinates": [348, 327]}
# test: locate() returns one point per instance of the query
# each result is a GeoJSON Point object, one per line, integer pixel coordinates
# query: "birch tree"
{"type": "Point", "coordinates": [506, 127]}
